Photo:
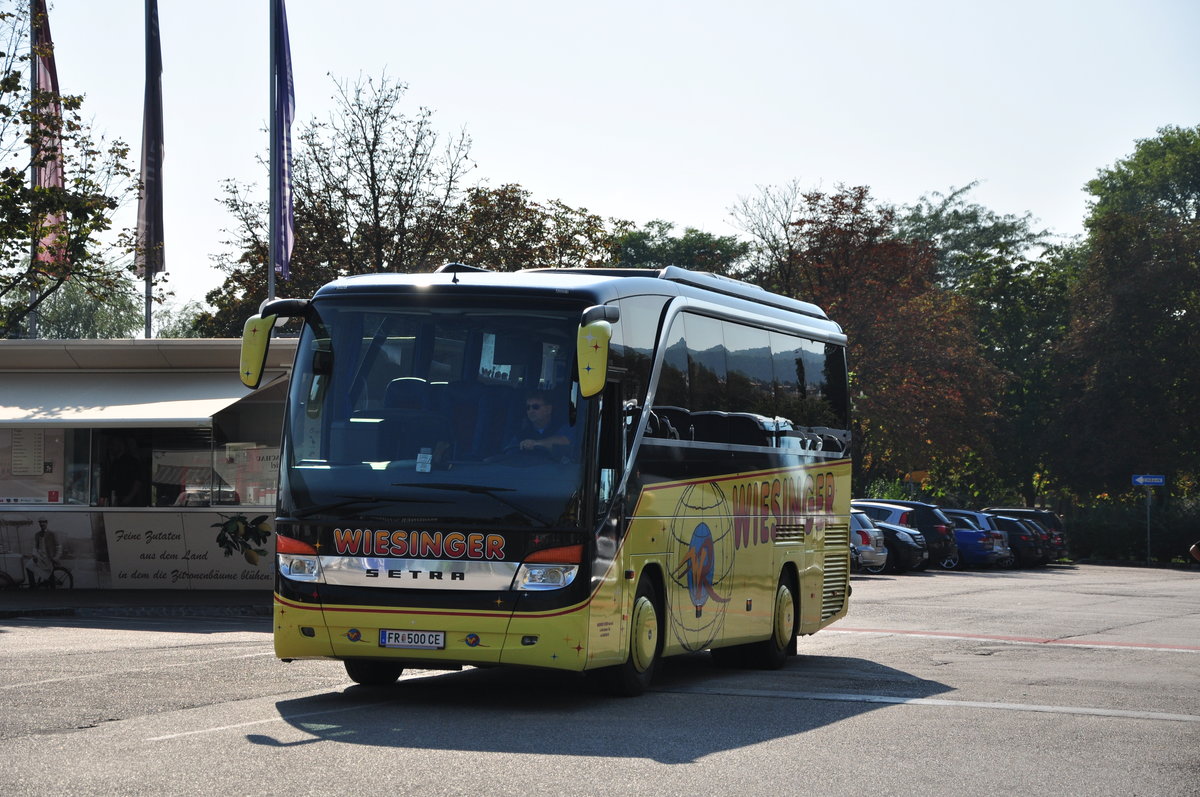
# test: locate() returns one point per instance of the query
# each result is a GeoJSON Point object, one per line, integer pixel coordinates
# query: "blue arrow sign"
{"type": "Point", "coordinates": [1148, 480]}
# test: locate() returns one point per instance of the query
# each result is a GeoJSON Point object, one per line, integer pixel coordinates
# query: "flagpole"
{"type": "Point", "coordinates": [151, 245]}
{"type": "Point", "coordinates": [32, 327]}
{"type": "Point", "coordinates": [147, 262]}
{"type": "Point", "coordinates": [273, 212]}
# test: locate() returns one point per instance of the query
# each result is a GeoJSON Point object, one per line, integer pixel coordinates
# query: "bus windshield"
{"type": "Point", "coordinates": [450, 414]}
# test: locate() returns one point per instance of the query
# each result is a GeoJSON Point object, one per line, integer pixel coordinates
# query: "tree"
{"type": "Point", "coordinates": [67, 220]}
{"type": "Point", "coordinates": [966, 235]}
{"type": "Point", "coordinates": [391, 178]}
{"type": "Point", "coordinates": [505, 229]}
{"type": "Point", "coordinates": [653, 246]}
{"type": "Point", "coordinates": [920, 388]}
{"type": "Point", "coordinates": [1131, 375]}
{"type": "Point", "coordinates": [1016, 290]}
{"type": "Point", "coordinates": [374, 190]}
{"type": "Point", "coordinates": [179, 321]}
{"type": "Point", "coordinates": [73, 313]}
{"type": "Point", "coordinates": [1021, 309]}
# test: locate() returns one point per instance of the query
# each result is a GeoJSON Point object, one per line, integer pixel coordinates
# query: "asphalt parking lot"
{"type": "Point", "coordinates": [1062, 680]}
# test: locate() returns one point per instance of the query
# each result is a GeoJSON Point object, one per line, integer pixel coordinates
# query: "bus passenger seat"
{"type": "Point", "coordinates": [407, 393]}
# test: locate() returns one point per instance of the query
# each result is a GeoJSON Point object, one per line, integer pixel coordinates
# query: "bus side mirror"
{"type": "Point", "coordinates": [256, 337]}
{"type": "Point", "coordinates": [592, 356]}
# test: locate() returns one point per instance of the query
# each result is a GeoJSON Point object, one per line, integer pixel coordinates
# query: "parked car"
{"type": "Point", "coordinates": [1044, 518]}
{"type": "Point", "coordinates": [976, 546]}
{"type": "Point", "coordinates": [986, 522]}
{"type": "Point", "coordinates": [925, 518]}
{"type": "Point", "coordinates": [1024, 540]}
{"type": "Point", "coordinates": [1052, 541]}
{"type": "Point", "coordinates": [905, 546]}
{"type": "Point", "coordinates": [868, 545]}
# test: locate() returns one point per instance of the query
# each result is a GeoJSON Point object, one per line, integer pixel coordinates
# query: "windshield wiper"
{"type": "Point", "coordinates": [357, 499]}
{"type": "Point", "coordinates": [478, 489]}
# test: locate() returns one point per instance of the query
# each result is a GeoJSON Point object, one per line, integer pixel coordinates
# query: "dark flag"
{"type": "Point", "coordinates": [282, 112]}
{"type": "Point", "coordinates": [150, 256]}
{"type": "Point", "coordinates": [47, 142]}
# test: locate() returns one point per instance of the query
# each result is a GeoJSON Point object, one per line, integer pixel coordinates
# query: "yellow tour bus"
{"type": "Point", "coordinates": [576, 469]}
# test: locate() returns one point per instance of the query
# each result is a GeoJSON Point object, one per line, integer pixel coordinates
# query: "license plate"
{"type": "Point", "coordinates": [412, 640]}
{"type": "Point", "coordinates": [925, 554]}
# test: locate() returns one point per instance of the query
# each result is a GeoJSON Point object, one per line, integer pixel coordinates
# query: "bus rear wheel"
{"type": "Point", "coordinates": [369, 672]}
{"type": "Point", "coordinates": [645, 646]}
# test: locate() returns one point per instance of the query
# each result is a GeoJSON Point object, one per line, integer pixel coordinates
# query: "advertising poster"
{"type": "Point", "coordinates": [63, 549]}
{"type": "Point", "coordinates": [194, 550]}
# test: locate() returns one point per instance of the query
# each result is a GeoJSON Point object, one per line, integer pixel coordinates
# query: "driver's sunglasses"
{"type": "Point", "coordinates": [534, 406]}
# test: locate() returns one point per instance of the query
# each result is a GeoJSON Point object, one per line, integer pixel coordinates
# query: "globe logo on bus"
{"type": "Point", "coordinates": [701, 551]}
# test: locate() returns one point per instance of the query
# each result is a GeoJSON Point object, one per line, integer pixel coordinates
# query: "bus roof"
{"type": "Point", "coordinates": [594, 285]}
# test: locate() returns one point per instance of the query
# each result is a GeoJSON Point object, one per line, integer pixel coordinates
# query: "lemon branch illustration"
{"type": "Point", "coordinates": [239, 535]}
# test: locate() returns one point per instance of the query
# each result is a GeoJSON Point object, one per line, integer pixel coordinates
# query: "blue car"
{"type": "Point", "coordinates": [976, 546]}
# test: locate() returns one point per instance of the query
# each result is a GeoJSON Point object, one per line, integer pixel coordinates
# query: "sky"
{"type": "Point", "coordinates": [661, 110]}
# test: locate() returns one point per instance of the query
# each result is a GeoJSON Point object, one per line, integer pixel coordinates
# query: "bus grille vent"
{"type": "Point", "coordinates": [789, 532]}
{"type": "Point", "coordinates": [837, 570]}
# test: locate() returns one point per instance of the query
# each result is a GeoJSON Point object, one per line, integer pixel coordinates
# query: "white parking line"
{"type": "Point", "coordinates": [252, 723]}
{"type": "Point", "coordinates": [837, 697]}
{"type": "Point", "coordinates": [930, 701]}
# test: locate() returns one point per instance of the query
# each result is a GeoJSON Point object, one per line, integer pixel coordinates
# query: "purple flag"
{"type": "Point", "coordinates": [150, 256]}
{"type": "Point", "coordinates": [284, 110]}
{"type": "Point", "coordinates": [47, 143]}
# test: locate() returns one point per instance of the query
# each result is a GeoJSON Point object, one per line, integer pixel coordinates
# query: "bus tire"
{"type": "Point", "coordinates": [633, 677]}
{"type": "Point", "coordinates": [772, 653]}
{"type": "Point", "coordinates": [370, 672]}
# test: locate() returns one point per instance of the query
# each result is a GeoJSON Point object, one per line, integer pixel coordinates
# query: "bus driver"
{"type": "Point", "coordinates": [537, 432]}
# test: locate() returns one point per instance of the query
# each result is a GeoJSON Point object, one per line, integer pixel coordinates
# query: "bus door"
{"type": "Point", "coordinates": [610, 586]}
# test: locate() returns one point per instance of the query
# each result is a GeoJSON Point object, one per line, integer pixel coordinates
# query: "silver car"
{"type": "Point", "coordinates": [868, 543]}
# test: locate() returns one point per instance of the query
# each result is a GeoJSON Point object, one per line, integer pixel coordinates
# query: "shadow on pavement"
{"type": "Point", "coordinates": [507, 710]}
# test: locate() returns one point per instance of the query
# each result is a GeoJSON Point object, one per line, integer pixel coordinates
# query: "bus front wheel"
{"type": "Point", "coordinates": [645, 646]}
{"type": "Point", "coordinates": [369, 672]}
{"type": "Point", "coordinates": [772, 653]}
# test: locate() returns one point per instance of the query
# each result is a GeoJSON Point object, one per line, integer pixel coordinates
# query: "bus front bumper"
{"type": "Point", "coordinates": [430, 638]}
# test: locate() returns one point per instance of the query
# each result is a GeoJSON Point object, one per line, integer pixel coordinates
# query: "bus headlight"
{"type": "Point", "coordinates": [545, 576]}
{"type": "Point", "coordinates": [299, 567]}
{"type": "Point", "coordinates": [549, 568]}
{"type": "Point", "coordinates": [297, 559]}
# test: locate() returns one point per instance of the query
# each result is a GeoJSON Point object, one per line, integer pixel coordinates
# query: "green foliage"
{"type": "Point", "coordinates": [966, 479]}
{"type": "Point", "coordinates": [967, 235]}
{"type": "Point", "coordinates": [1113, 531]}
{"type": "Point", "coordinates": [1021, 310]}
{"type": "Point", "coordinates": [505, 229]}
{"type": "Point", "coordinates": [653, 246]}
{"type": "Point", "coordinates": [179, 321]}
{"type": "Point", "coordinates": [882, 489]}
{"type": "Point", "coordinates": [1128, 370]}
{"type": "Point", "coordinates": [74, 312]}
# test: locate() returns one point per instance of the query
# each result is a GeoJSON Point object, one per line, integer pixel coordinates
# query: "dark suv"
{"type": "Point", "coordinates": [1048, 520]}
{"type": "Point", "coordinates": [1026, 544]}
{"type": "Point", "coordinates": [935, 527]}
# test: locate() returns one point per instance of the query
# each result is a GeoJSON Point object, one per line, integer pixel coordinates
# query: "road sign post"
{"type": "Point", "coordinates": [1149, 481]}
